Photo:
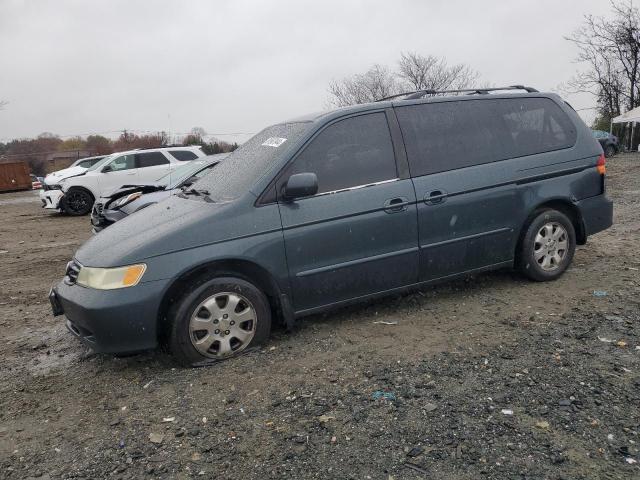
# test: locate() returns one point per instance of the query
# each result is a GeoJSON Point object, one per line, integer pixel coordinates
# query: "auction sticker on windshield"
{"type": "Point", "coordinates": [274, 142]}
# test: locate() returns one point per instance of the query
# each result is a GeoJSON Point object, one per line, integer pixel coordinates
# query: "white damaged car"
{"type": "Point", "coordinates": [74, 189]}
{"type": "Point", "coordinates": [49, 193]}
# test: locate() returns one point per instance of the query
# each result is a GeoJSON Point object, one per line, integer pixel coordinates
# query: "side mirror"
{"type": "Point", "coordinates": [107, 168]}
{"type": "Point", "coordinates": [301, 185]}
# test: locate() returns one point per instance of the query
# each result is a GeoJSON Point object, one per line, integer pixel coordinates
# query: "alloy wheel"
{"type": "Point", "coordinates": [77, 201]}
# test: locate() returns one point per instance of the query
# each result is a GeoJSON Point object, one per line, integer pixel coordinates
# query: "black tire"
{"type": "Point", "coordinates": [609, 151]}
{"type": "Point", "coordinates": [180, 336]}
{"type": "Point", "coordinates": [528, 257]}
{"type": "Point", "coordinates": [77, 202]}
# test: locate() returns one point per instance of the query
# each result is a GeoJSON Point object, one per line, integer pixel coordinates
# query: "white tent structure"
{"type": "Point", "coordinates": [632, 116]}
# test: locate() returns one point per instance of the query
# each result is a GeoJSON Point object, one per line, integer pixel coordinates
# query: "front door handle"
{"type": "Point", "coordinates": [394, 205]}
{"type": "Point", "coordinates": [435, 196]}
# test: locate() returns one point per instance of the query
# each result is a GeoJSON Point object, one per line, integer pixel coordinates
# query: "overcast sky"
{"type": "Point", "coordinates": [77, 67]}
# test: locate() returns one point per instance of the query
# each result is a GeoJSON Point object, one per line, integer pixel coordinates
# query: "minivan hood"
{"type": "Point", "coordinates": [171, 225]}
{"type": "Point", "coordinates": [55, 177]}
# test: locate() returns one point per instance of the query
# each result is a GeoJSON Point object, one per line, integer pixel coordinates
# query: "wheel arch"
{"type": "Point", "coordinates": [562, 205]}
{"type": "Point", "coordinates": [244, 269]}
{"type": "Point", "coordinates": [82, 187]}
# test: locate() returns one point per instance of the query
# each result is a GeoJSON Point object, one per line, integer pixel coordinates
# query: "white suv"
{"type": "Point", "coordinates": [76, 193]}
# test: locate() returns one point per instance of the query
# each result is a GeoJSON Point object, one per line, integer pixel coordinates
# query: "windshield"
{"type": "Point", "coordinates": [175, 177]}
{"type": "Point", "coordinates": [240, 170]}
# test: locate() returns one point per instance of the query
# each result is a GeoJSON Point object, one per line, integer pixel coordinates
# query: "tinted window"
{"type": "Point", "coordinates": [536, 125]}
{"type": "Point", "coordinates": [352, 152]}
{"type": "Point", "coordinates": [151, 159]}
{"type": "Point", "coordinates": [450, 135]}
{"type": "Point", "coordinates": [124, 162]}
{"type": "Point", "coordinates": [183, 155]}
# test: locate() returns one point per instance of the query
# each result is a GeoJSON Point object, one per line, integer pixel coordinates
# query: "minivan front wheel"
{"type": "Point", "coordinates": [548, 246]}
{"type": "Point", "coordinates": [218, 319]}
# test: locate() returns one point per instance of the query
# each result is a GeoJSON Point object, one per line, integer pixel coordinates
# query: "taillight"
{"type": "Point", "coordinates": [601, 165]}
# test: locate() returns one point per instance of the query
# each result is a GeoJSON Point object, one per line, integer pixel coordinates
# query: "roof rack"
{"type": "Point", "coordinates": [469, 91]}
{"type": "Point", "coordinates": [172, 145]}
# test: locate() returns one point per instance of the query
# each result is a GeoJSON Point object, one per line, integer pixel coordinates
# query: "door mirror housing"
{"type": "Point", "coordinates": [107, 168]}
{"type": "Point", "coordinates": [301, 185]}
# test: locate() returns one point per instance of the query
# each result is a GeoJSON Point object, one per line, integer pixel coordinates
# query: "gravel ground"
{"type": "Point", "coordinates": [490, 377]}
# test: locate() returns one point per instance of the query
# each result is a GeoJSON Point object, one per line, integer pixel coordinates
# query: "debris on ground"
{"type": "Point", "coordinates": [379, 394]}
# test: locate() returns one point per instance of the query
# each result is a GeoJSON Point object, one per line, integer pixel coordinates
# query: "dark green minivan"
{"type": "Point", "coordinates": [338, 207]}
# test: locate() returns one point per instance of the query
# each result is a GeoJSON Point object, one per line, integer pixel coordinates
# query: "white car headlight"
{"type": "Point", "coordinates": [111, 278]}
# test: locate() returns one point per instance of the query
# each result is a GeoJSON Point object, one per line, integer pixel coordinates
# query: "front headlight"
{"type": "Point", "coordinates": [111, 278]}
{"type": "Point", "coordinates": [121, 202]}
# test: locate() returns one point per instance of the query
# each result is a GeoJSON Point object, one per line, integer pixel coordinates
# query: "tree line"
{"type": "Point", "coordinates": [35, 150]}
{"type": "Point", "coordinates": [609, 49]}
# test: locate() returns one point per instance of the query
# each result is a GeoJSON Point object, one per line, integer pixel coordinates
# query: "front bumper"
{"type": "Point", "coordinates": [597, 213]}
{"type": "Point", "coordinates": [111, 321]}
{"type": "Point", "coordinates": [51, 199]}
{"type": "Point", "coordinates": [101, 218]}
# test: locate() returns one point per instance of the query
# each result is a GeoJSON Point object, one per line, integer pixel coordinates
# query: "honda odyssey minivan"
{"type": "Point", "coordinates": [337, 207]}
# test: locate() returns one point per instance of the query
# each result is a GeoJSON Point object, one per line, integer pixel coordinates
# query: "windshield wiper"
{"type": "Point", "coordinates": [198, 193]}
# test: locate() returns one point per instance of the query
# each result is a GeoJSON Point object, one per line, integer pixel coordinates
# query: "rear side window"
{"type": "Point", "coordinates": [183, 155]}
{"type": "Point", "coordinates": [352, 152]}
{"type": "Point", "coordinates": [151, 159]}
{"type": "Point", "coordinates": [451, 135]}
{"type": "Point", "coordinates": [536, 125]}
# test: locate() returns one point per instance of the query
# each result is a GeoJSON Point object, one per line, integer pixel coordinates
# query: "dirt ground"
{"type": "Point", "coordinates": [490, 377]}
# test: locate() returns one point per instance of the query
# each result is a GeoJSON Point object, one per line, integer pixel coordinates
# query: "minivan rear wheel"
{"type": "Point", "coordinates": [218, 319]}
{"type": "Point", "coordinates": [548, 246]}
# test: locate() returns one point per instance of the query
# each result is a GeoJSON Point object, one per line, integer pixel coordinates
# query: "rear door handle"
{"type": "Point", "coordinates": [394, 205]}
{"type": "Point", "coordinates": [435, 196]}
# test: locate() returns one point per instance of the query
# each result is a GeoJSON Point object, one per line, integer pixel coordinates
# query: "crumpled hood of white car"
{"type": "Point", "coordinates": [55, 177]}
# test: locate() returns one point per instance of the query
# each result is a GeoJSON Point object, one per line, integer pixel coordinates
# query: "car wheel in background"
{"type": "Point", "coordinates": [217, 319]}
{"type": "Point", "coordinates": [548, 245]}
{"type": "Point", "coordinates": [77, 201]}
{"type": "Point", "coordinates": [610, 151]}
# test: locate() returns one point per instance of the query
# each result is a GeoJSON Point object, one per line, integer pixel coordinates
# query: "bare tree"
{"type": "Point", "coordinates": [433, 73]}
{"type": "Point", "coordinates": [377, 83]}
{"type": "Point", "coordinates": [415, 72]}
{"type": "Point", "coordinates": [610, 49]}
{"type": "Point", "coordinates": [3, 103]}
{"type": "Point", "coordinates": [195, 137]}
{"type": "Point", "coordinates": [199, 131]}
